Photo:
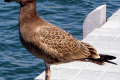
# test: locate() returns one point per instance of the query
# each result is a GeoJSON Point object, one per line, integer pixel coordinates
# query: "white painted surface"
{"type": "Point", "coordinates": [106, 40]}
{"type": "Point", "coordinates": [95, 19]}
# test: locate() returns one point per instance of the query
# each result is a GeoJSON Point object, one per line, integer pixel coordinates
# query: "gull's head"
{"type": "Point", "coordinates": [22, 2]}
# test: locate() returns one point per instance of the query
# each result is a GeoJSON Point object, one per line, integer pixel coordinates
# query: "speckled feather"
{"type": "Point", "coordinates": [62, 42]}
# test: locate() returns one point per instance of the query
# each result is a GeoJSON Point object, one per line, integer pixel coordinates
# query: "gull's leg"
{"type": "Point", "coordinates": [47, 72]}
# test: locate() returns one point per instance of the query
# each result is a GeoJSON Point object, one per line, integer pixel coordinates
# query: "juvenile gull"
{"type": "Point", "coordinates": [50, 43]}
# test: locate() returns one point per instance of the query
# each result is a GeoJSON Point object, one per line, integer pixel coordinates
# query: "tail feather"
{"type": "Point", "coordinates": [92, 58]}
{"type": "Point", "coordinates": [106, 57]}
{"type": "Point", "coordinates": [103, 58]}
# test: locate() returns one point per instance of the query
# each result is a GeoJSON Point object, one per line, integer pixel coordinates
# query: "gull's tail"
{"type": "Point", "coordinates": [103, 58]}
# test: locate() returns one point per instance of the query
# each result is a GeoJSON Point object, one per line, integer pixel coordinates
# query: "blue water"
{"type": "Point", "coordinates": [18, 64]}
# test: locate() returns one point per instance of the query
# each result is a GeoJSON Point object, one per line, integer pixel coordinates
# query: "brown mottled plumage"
{"type": "Point", "coordinates": [49, 42]}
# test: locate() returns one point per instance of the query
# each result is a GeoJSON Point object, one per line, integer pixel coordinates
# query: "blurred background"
{"type": "Point", "coordinates": [16, 63]}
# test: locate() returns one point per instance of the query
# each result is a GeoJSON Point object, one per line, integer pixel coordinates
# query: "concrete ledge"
{"type": "Point", "coordinates": [95, 19]}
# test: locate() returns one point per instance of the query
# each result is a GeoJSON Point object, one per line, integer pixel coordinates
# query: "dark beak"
{"type": "Point", "coordinates": [8, 0]}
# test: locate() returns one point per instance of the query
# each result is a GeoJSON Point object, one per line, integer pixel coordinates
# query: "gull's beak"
{"type": "Point", "coordinates": [8, 0]}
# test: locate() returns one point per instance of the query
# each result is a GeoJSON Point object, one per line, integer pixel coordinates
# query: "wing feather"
{"type": "Point", "coordinates": [61, 44]}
